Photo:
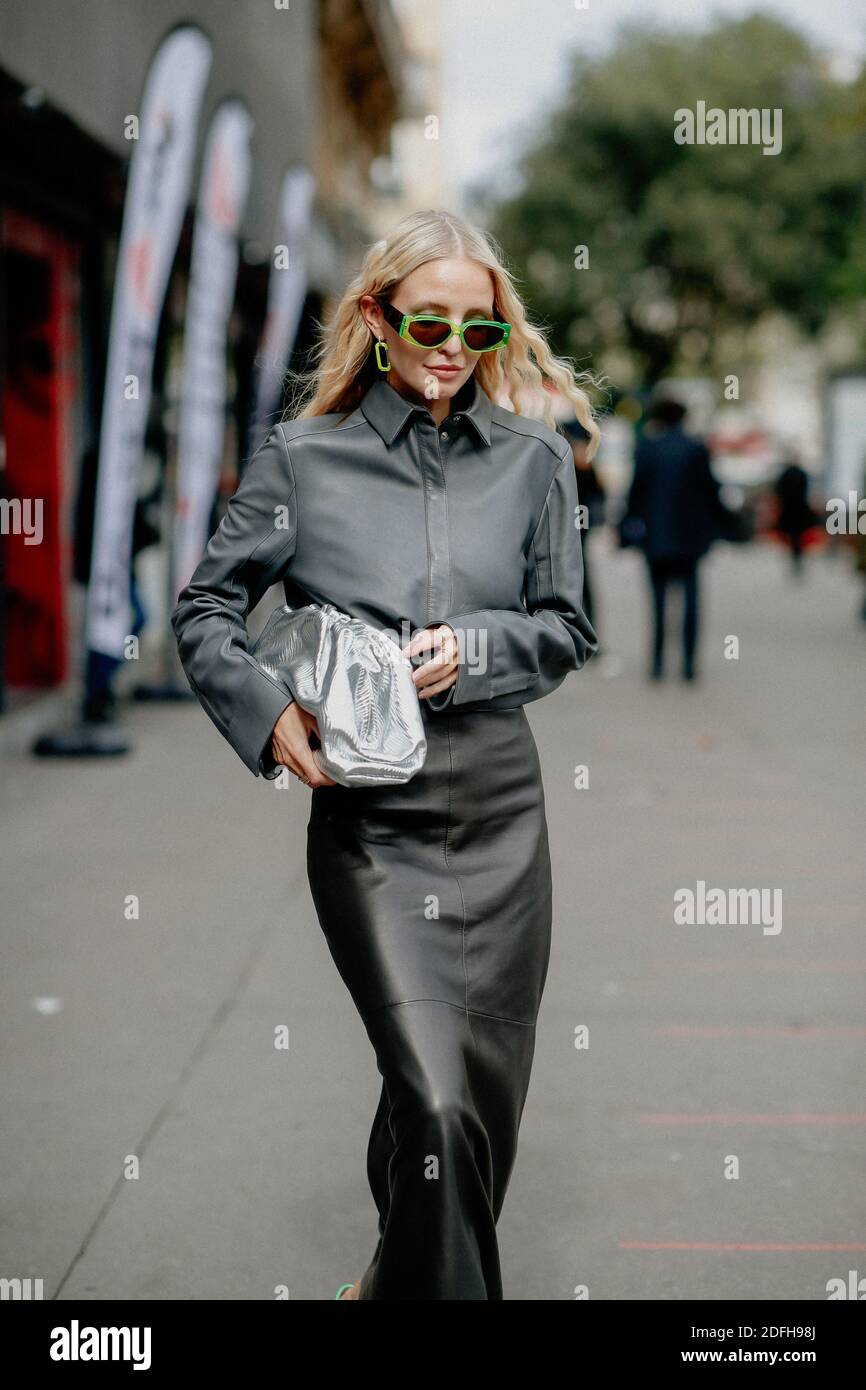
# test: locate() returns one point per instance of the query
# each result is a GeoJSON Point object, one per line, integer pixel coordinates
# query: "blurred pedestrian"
{"type": "Point", "coordinates": [674, 513]}
{"type": "Point", "coordinates": [860, 552]}
{"type": "Point", "coordinates": [99, 699]}
{"type": "Point", "coordinates": [794, 516]}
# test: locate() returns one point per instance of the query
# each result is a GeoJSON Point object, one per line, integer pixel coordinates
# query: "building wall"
{"type": "Point", "coordinates": [323, 82]}
{"type": "Point", "coordinates": [419, 143]}
{"type": "Point", "coordinates": [91, 56]}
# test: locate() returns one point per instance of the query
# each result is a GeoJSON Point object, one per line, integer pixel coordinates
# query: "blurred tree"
{"type": "Point", "coordinates": [684, 240]}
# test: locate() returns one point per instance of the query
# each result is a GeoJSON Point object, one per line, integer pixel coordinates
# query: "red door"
{"type": "Point", "coordinates": [41, 348]}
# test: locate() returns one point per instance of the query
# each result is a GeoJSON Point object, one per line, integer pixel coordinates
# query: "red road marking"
{"type": "Point", "coordinates": [825, 966]}
{"type": "Point", "coordinates": [758, 1030]}
{"type": "Point", "coordinates": [757, 1119]}
{"type": "Point", "coordinates": [737, 1245]}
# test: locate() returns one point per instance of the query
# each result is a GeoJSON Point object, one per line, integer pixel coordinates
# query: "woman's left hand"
{"type": "Point", "coordinates": [441, 670]}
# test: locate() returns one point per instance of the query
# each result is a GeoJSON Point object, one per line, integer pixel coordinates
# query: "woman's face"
{"type": "Point", "coordinates": [457, 289]}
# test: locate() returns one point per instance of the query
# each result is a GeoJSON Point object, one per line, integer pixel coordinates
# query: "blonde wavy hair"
{"type": "Point", "coordinates": [344, 360]}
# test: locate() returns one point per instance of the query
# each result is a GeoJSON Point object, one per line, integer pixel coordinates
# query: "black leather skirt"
{"type": "Point", "coordinates": [435, 900]}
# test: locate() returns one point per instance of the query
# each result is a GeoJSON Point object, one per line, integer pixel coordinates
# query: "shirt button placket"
{"type": "Point", "coordinates": [436, 507]}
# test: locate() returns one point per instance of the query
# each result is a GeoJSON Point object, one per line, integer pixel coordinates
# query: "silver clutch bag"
{"type": "Point", "coordinates": [358, 684]}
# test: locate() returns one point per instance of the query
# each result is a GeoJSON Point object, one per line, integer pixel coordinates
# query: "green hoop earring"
{"type": "Point", "coordinates": [381, 346]}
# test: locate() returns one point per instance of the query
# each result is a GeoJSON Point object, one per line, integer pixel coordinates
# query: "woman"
{"type": "Point", "coordinates": [404, 495]}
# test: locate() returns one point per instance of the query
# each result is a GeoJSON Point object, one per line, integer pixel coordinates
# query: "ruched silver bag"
{"type": "Point", "coordinates": [358, 684]}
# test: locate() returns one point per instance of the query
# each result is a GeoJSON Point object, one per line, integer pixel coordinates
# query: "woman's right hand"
{"type": "Point", "coordinates": [290, 745]}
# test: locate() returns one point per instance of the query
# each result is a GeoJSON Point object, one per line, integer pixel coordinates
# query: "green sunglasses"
{"type": "Point", "coordinates": [431, 331]}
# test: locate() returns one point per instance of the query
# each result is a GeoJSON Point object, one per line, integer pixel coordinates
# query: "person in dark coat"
{"type": "Point", "coordinates": [860, 553]}
{"type": "Point", "coordinates": [675, 509]}
{"type": "Point", "coordinates": [795, 516]}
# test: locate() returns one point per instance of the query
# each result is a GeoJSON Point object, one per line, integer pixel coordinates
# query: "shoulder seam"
{"type": "Point", "coordinates": [294, 492]}
{"type": "Point", "coordinates": [288, 454]}
{"type": "Point", "coordinates": [305, 434]}
{"type": "Point", "coordinates": [507, 425]}
{"type": "Point", "coordinates": [545, 510]}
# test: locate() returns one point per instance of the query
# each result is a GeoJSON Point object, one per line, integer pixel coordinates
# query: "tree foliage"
{"type": "Point", "coordinates": [687, 240]}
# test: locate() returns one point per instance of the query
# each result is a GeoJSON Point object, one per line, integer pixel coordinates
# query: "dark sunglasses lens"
{"type": "Point", "coordinates": [428, 334]}
{"type": "Point", "coordinates": [480, 337]}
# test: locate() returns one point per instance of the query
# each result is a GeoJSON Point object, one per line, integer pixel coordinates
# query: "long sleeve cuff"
{"type": "Point", "coordinates": [268, 767]}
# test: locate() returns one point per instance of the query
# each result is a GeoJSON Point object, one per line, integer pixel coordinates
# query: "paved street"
{"type": "Point", "coordinates": [157, 1145]}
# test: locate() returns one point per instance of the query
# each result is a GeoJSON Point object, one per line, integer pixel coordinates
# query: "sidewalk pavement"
{"type": "Point", "coordinates": [158, 1145]}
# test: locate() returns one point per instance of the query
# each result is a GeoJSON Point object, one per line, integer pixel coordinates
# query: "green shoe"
{"type": "Point", "coordinates": [342, 1289]}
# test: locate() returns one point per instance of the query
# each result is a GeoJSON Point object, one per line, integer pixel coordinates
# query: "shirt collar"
{"type": "Point", "coordinates": [387, 410]}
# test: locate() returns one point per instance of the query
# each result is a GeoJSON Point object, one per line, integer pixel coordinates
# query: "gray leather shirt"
{"type": "Point", "coordinates": [405, 525]}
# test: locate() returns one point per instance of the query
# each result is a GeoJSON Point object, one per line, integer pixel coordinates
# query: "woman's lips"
{"type": "Point", "coordinates": [446, 371]}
